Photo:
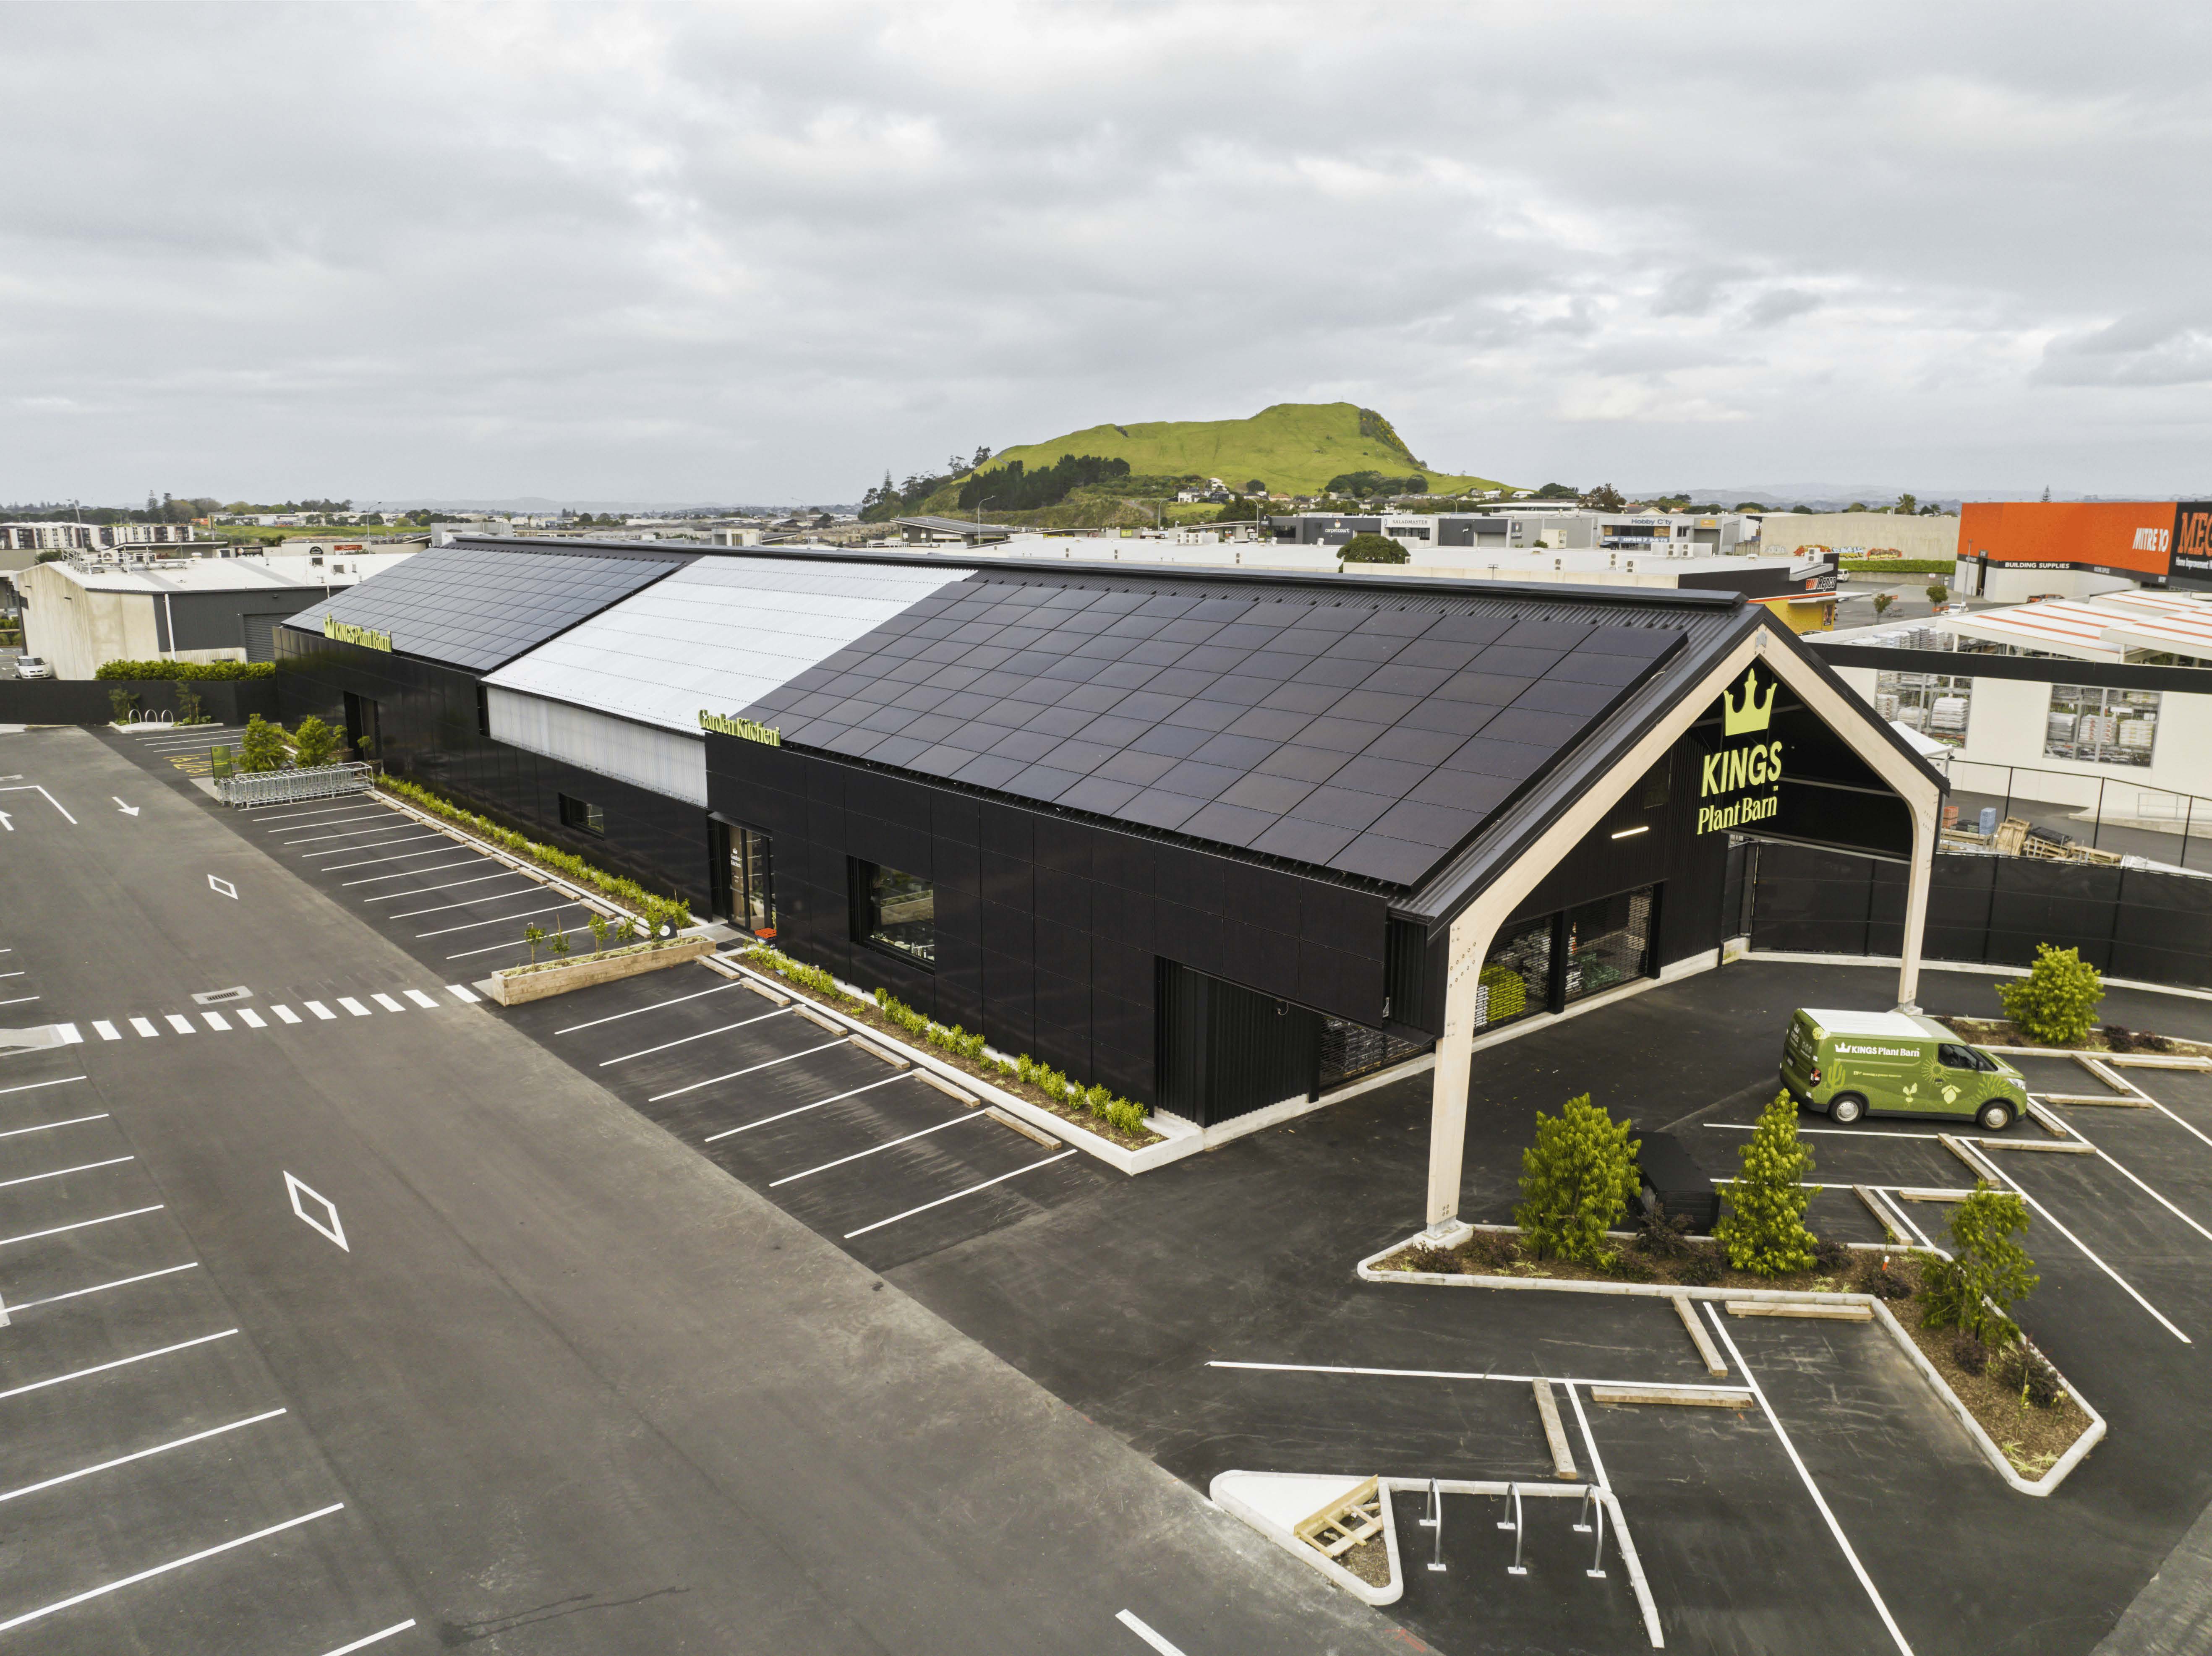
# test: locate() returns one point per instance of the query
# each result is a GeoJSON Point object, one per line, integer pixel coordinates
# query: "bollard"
{"type": "Point", "coordinates": [1516, 1567]}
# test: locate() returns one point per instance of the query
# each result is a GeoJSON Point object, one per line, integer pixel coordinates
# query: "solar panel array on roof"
{"type": "Point", "coordinates": [1368, 734]}
{"type": "Point", "coordinates": [475, 607]}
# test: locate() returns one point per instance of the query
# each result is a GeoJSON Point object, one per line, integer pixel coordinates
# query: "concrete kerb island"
{"type": "Point", "coordinates": [518, 984]}
{"type": "Point", "coordinates": [1878, 1311]}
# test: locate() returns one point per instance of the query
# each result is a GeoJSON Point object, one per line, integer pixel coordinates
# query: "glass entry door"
{"type": "Point", "coordinates": [752, 882]}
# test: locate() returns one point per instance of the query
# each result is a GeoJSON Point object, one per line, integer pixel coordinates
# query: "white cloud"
{"type": "Point", "coordinates": [761, 252]}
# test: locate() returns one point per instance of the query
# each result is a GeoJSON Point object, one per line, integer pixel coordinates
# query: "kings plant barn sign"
{"type": "Point", "coordinates": [1739, 784]}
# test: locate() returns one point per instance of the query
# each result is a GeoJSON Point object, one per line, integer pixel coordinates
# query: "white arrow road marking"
{"type": "Point", "coordinates": [334, 1231]}
{"type": "Point", "coordinates": [33, 787]}
{"type": "Point", "coordinates": [128, 811]}
{"type": "Point", "coordinates": [222, 887]}
{"type": "Point", "coordinates": [5, 822]}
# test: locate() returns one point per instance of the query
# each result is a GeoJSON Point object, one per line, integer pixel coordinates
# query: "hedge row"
{"type": "Point", "coordinates": [1897, 566]}
{"type": "Point", "coordinates": [171, 670]}
{"type": "Point", "coordinates": [630, 894]}
{"type": "Point", "coordinates": [1121, 1113]}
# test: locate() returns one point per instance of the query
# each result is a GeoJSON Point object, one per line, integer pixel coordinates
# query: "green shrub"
{"type": "Point", "coordinates": [1575, 1180]}
{"type": "Point", "coordinates": [1973, 1290]}
{"type": "Point", "coordinates": [263, 748]}
{"type": "Point", "coordinates": [1938, 593]}
{"type": "Point", "coordinates": [1374, 549]}
{"type": "Point", "coordinates": [2055, 1004]}
{"type": "Point", "coordinates": [628, 893]}
{"type": "Point", "coordinates": [1763, 1230]}
{"type": "Point", "coordinates": [314, 743]}
{"type": "Point", "coordinates": [181, 669]}
{"type": "Point", "coordinates": [126, 708]}
{"type": "Point", "coordinates": [189, 710]}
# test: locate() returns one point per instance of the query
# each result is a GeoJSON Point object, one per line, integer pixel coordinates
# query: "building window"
{"type": "Point", "coordinates": [1934, 704]}
{"type": "Point", "coordinates": [1516, 978]}
{"type": "Point", "coordinates": [583, 816]}
{"type": "Point", "coordinates": [898, 912]}
{"type": "Point", "coordinates": [2105, 727]}
{"type": "Point", "coordinates": [1608, 942]}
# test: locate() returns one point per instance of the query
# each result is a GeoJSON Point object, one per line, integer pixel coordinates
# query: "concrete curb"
{"type": "Point", "coordinates": [1796, 957]}
{"type": "Point", "coordinates": [1389, 1593]}
{"type": "Point", "coordinates": [2043, 1486]}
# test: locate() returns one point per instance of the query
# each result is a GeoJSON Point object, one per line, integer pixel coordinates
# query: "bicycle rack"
{"type": "Point", "coordinates": [1516, 1567]}
{"type": "Point", "coordinates": [1435, 1520]}
{"type": "Point", "coordinates": [1596, 1572]}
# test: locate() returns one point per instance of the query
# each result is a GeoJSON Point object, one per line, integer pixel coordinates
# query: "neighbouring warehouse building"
{"type": "Point", "coordinates": [1217, 839]}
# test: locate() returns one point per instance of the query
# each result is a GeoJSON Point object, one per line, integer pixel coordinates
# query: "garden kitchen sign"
{"type": "Point", "coordinates": [346, 633]}
{"type": "Point", "coordinates": [750, 729]}
{"type": "Point", "coordinates": [1737, 786]}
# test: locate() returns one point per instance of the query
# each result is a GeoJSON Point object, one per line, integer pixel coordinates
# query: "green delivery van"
{"type": "Point", "coordinates": [1855, 1064]}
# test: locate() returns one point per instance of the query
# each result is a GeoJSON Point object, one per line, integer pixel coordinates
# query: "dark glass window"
{"type": "Point", "coordinates": [752, 882]}
{"type": "Point", "coordinates": [583, 816]}
{"type": "Point", "coordinates": [1516, 978]}
{"type": "Point", "coordinates": [899, 912]}
{"type": "Point", "coordinates": [1608, 942]}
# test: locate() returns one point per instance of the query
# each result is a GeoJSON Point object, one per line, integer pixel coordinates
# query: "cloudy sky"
{"type": "Point", "coordinates": [764, 252]}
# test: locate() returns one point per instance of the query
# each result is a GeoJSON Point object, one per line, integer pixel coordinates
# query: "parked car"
{"type": "Point", "coordinates": [33, 667]}
{"type": "Point", "coordinates": [1855, 1064]}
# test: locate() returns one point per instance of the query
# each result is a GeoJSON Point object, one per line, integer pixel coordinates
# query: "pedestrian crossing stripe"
{"type": "Point", "coordinates": [148, 1029]}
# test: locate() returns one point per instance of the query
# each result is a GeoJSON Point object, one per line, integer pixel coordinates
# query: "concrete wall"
{"type": "Point", "coordinates": [77, 628]}
{"type": "Point", "coordinates": [1913, 537]}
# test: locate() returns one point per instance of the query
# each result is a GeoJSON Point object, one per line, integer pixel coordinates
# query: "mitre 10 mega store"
{"type": "Point", "coordinates": [2014, 550]}
{"type": "Point", "coordinates": [1218, 840]}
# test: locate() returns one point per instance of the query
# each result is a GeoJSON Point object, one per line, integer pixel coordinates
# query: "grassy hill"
{"type": "Point", "coordinates": [1294, 448]}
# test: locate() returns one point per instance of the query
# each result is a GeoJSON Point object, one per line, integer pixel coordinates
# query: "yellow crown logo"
{"type": "Point", "coordinates": [1753, 713]}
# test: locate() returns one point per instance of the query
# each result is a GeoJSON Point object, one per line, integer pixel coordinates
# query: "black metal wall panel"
{"type": "Point", "coordinates": [1049, 930]}
{"type": "Point", "coordinates": [2163, 932]}
{"type": "Point", "coordinates": [428, 717]}
{"type": "Point", "coordinates": [2065, 904]}
{"type": "Point", "coordinates": [1811, 901]}
{"type": "Point", "coordinates": [90, 700]}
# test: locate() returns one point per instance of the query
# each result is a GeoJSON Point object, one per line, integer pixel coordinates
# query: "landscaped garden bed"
{"type": "Point", "coordinates": [542, 978]}
{"type": "Point", "coordinates": [1117, 1121]}
{"type": "Point", "coordinates": [1690, 1263]}
{"type": "Point", "coordinates": [2107, 1037]}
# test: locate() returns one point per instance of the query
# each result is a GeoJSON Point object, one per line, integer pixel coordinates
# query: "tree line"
{"type": "Point", "coordinates": [1014, 487]}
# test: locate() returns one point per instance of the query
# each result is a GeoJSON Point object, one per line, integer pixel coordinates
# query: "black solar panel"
{"type": "Point", "coordinates": [1371, 733]}
{"type": "Point", "coordinates": [477, 608]}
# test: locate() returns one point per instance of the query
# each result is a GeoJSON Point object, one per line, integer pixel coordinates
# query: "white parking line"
{"type": "Point", "coordinates": [494, 948]}
{"type": "Point", "coordinates": [958, 1194]}
{"type": "Point", "coordinates": [82, 1224]}
{"type": "Point", "coordinates": [182, 1026]}
{"type": "Point", "coordinates": [2117, 1168]}
{"type": "Point", "coordinates": [375, 1638]}
{"type": "Point", "coordinates": [387, 1003]}
{"type": "Point", "coordinates": [2177, 1121]}
{"type": "Point", "coordinates": [20, 1000]}
{"type": "Point", "coordinates": [498, 919]}
{"type": "Point", "coordinates": [872, 1150]}
{"type": "Point", "coordinates": [615, 1017]}
{"type": "Point", "coordinates": [102, 1368]}
{"type": "Point", "coordinates": [447, 908]}
{"type": "Point", "coordinates": [352, 1006]}
{"type": "Point", "coordinates": [1464, 1374]}
{"type": "Point", "coordinates": [1840, 1132]}
{"type": "Point", "coordinates": [422, 1000]}
{"type": "Point", "coordinates": [711, 1079]}
{"type": "Point", "coordinates": [1751, 1381]}
{"type": "Point", "coordinates": [334, 813]}
{"type": "Point", "coordinates": [371, 862]}
{"type": "Point", "coordinates": [2090, 1254]}
{"type": "Point", "coordinates": [786, 1115]}
{"type": "Point", "coordinates": [341, 851]}
{"type": "Point", "coordinates": [321, 1012]}
{"type": "Point", "coordinates": [285, 1014]}
{"type": "Point", "coordinates": [460, 994]}
{"type": "Point", "coordinates": [142, 1454]}
{"type": "Point", "coordinates": [141, 1027]}
{"type": "Point", "coordinates": [404, 874]}
{"type": "Point", "coordinates": [101, 1288]}
{"type": "Point", "coordinates": [63, 1172]}
{"type": "Point", "coordinates": [345, 834]}
{"type": "Point", "coordinates": [173, 1564]}
{"type": "Point", "coordinates": [48, 1126]}
{"type": "Point", "coordinates": [647, 1052]}
{"type": "Point", "coordinates": [1622, 1541]}
{"type": "Point", "coordinates": [1129, 1620]}
{"type": "Point", "coordinates": [425, 890]}
{"type": "Point", "coordinates": [216, 1021]}
{"type": "Point", "coordinates": [252, 1019]}
{"type": "Point", "coordinates": [106, 1030]}
{"type": "Point", "coordinates": [34, 1086]}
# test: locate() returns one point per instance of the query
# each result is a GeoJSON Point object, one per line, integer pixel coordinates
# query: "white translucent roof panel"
{"type": "Point", "coordinates": [718, 635]}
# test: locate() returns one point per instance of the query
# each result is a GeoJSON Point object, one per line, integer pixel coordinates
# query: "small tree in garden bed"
{"type": "Point", "coordinates": [1973, 1291]}
{"type": "Point", "coordinates": [1764, 1229]}
{"type": "Point", "coordinates": [1575, 1180]}
{"type": "Point", "coordinates": [2055, 1004]}
{"type": "Point", "coordinates": [262, 749]}
{"type": "Point", "coordinates": [314, 743]}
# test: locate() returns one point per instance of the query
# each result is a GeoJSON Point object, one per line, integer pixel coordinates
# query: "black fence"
{"type": "Point", "coordinates": [2128, 923]}
{"type": "Point", "coordinates": [89, 701]}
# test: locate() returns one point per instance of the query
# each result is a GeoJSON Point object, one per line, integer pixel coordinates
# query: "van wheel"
{"type": "Point", "coordinates": [1994, 1116]}
{"type": "Point", "coordinates": [1845, 1108]}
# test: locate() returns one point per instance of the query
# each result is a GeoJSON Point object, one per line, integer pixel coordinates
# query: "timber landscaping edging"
{"type": "Point", "coordinates": [1369, 1271]}
{"type": "Point", "coordinates": [518, 984]}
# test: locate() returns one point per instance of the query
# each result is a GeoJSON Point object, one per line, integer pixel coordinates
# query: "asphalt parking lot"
{"type": "Point", "coordinates": [1846, 1512]}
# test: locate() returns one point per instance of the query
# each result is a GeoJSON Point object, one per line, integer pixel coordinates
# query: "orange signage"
{"type": "Point", "coordinates": [2119, 538]}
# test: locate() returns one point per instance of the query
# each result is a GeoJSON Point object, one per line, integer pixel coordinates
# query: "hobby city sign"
{"type": "Point", "coordinates": [1728, 781]}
